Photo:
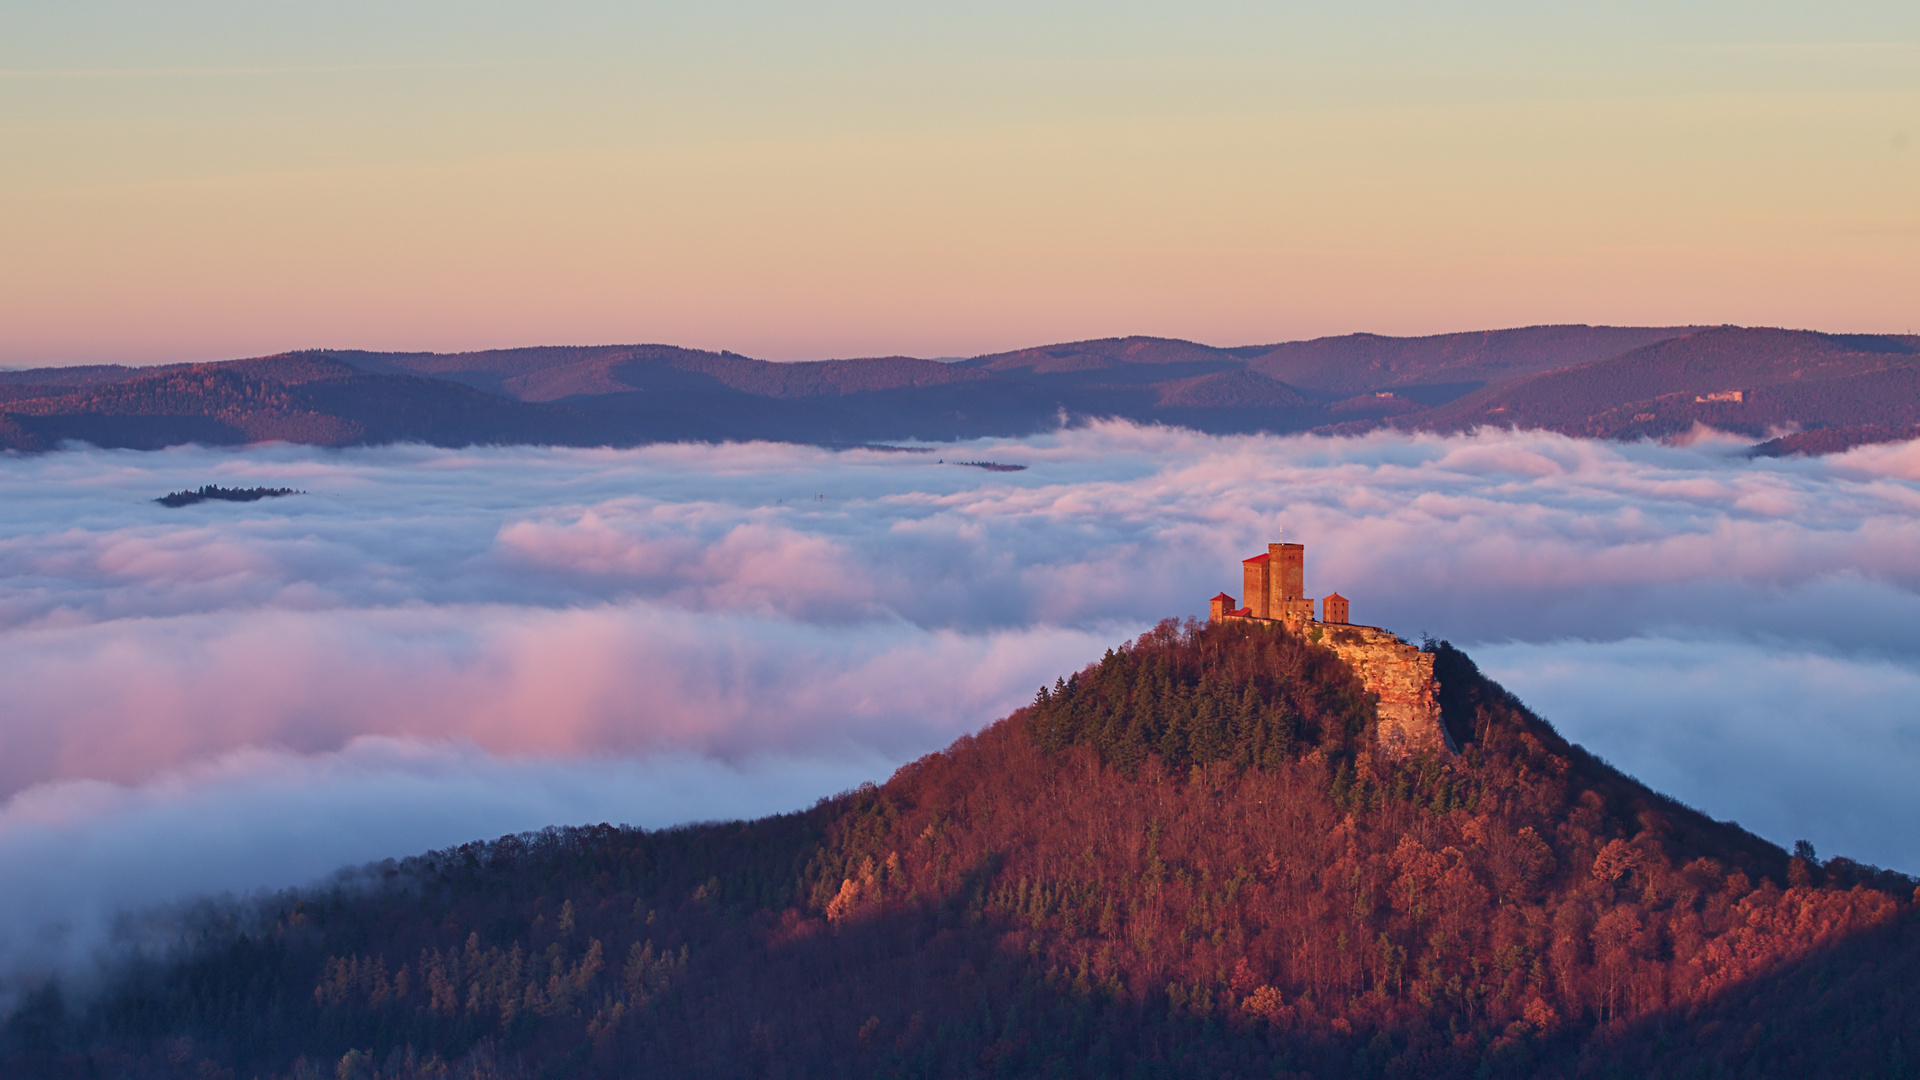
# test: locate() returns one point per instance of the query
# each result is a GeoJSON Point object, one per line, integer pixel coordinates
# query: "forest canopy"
{"type": "Point", "coordinates": [1190, 858]}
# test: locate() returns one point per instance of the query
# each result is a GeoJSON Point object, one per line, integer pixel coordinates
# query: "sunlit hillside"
{"type": "Point", "coordinates": [1189, 859]}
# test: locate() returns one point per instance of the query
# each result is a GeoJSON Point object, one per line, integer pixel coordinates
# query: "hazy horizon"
{"type": "Point", "coordinates": [945, 358]}
{"type": "Point", "coordinates": [218, 180]}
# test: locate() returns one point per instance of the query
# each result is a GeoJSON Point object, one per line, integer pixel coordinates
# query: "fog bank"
{"type": "Point", "coordinates": [429, 645]}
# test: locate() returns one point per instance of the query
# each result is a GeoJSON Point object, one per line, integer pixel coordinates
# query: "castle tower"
{"type": "Point", "coordinates": [1286, 585]}
{"type": "Point", "coordinates": [1254, 574]}
{"type": "Point", "coordinates": [1334, 609]}
{"type": "Point", "coordinates": [1286, 570]}
{"type": "Point", "coordinates": [1219, 606]}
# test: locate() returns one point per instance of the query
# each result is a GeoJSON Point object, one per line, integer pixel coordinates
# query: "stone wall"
{"type": "Point", "coordinates": [1296, 614]}
{"type": "Point", "coordinates": [1402, 677]}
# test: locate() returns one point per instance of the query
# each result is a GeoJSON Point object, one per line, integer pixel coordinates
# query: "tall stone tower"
{"type": "Point", "coordinates": [1286, 574]}
{"type": "Point", "coordinates": [1275, 583]}
{"type": "Point", "coordinates": [1254, 591]}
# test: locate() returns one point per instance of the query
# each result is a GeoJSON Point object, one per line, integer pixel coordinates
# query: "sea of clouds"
{"type": "Point", "coordinates": [429, 646]}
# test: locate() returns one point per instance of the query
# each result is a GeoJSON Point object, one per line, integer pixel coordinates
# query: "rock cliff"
{"type": "Point", "coordinates": [1401, 676]}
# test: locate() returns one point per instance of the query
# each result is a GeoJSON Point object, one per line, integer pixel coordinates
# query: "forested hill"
{"type": "Point", "coordinates": [1830, 391]}
{"type": "Point", "coordinates": [1187, 860]}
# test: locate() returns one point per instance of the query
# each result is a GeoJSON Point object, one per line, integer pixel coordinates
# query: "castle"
{"type": "Point", "coordinates": [1399, 675]}
{"type": "Point", "coordinates": [1275, 587]}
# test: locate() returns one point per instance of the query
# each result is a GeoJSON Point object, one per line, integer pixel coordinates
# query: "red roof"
{"type": "Point", "coordinates": [1222, 596]}
{"type": "Point", "coordinates": [1335, 596]}
{"type": "Point", "coordinates": [1257, 558]}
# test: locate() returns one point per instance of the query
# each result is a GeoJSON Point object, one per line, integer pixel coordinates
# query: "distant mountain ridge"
{"type": "Point", "coordinates": [1590, 381]}
{"type": "Point", "coordinates": [1746, 381]}
{"type": "Point", "coordinates": [1366, 363]}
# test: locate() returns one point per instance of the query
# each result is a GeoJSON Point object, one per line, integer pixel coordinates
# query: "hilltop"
{"type": "Point", "coordinates": [1196, 857]}
{"type": "Point", "coordinates": [1820, 391]}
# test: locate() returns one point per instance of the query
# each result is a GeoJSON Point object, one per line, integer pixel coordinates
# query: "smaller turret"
{"type": "Point", "coordinates": [1334, 609]}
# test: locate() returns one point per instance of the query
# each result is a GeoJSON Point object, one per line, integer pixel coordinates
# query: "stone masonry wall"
{"type": "Point", "coordinates": [1402, 676]}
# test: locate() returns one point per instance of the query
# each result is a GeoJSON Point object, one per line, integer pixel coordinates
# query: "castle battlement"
{"type": "Point", "coordinates": [1399, 675]}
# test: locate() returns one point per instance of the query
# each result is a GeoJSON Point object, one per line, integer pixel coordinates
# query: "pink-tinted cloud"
{"type": "Point", "coordinates": [547, 612]}
{"type": "Point", "coordinates": [756, 565]}
{"type": "Point", "coordinates": [128, 698]}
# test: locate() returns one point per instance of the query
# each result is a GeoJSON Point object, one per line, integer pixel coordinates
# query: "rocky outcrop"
{"type": "Point", "coordinates": [1401, 676]}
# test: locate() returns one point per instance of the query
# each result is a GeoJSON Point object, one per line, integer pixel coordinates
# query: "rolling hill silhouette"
{"type": "Point", "coordinates": [1605, 382]}
{"type": "Point", "coordinates": [1744, 381]}
{"type": "Point", "coordinates": [1444, 366]}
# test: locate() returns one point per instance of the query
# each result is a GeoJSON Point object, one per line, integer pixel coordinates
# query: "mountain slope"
{"type": "Point", "coordinates": [550, 374]}
{"type": "Point", "coordinates": [1435, 368]}
{"type": "Point", "coordinates": [1190, 859]}
{"type": "Point", "coordinates": [1735, 379]}
{"type": "Point", "coordinates": [1127, 359]}
{"type": "Point", "coordinates": [310, 398]}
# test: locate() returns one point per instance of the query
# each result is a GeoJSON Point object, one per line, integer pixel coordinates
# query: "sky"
{"type": "Point", "coordinates": [432, 646]}
{"type": "Point", "coordinates": [208, 179]}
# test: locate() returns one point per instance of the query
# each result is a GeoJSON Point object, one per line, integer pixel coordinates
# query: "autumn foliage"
{"type": "Point", "coordinates": [1187, 860]}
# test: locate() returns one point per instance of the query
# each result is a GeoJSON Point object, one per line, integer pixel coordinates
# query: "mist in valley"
{"type": "Point", "coordinates": [430, 646]}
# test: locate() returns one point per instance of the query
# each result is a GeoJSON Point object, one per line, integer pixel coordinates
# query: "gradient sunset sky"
{"type": "Point", "coordinates": [204, 180]}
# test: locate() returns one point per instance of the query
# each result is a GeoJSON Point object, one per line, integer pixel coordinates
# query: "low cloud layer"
{"type": "Point", "coordinates": [568, 624]}
{"type": "Point", "coordinates": [121, 699]}
{"type": "Point", "coordinates": [84, 852]}
{"type": "Point", "coordinates": [1793, 744]}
